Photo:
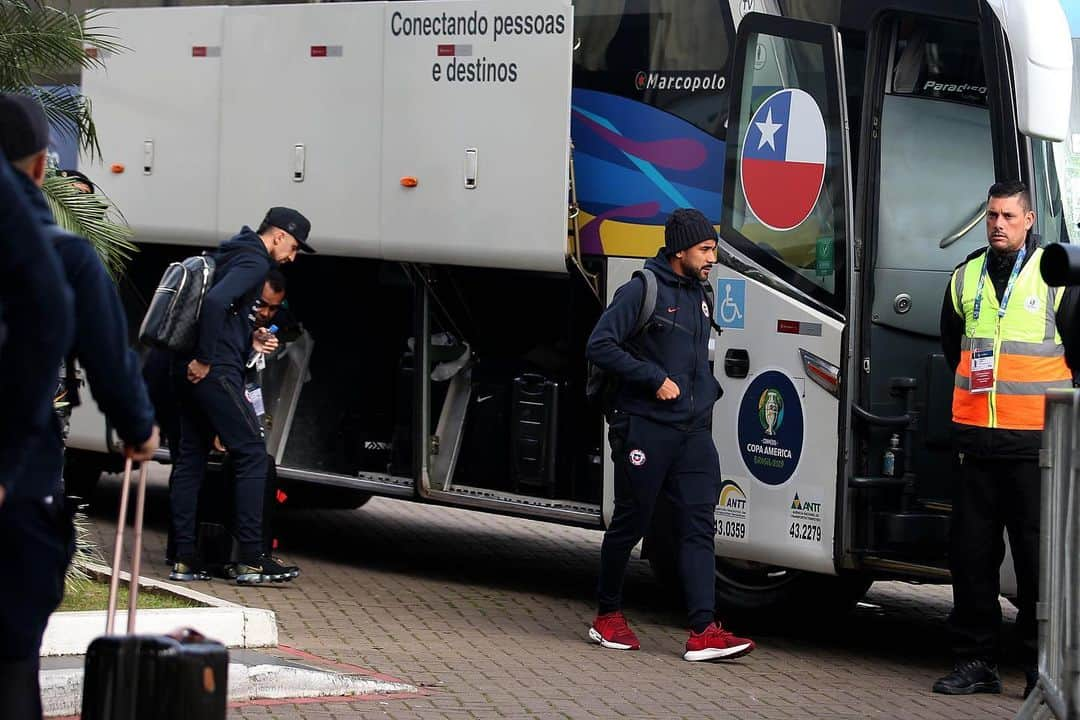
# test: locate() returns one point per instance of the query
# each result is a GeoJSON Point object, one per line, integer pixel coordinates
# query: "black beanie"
{"type": "Point", "coordinates": [685, 228]}
{"type": "Point", "coordinates": [24, 130]}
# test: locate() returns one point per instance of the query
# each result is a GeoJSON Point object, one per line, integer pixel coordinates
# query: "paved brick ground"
{"type": "Point", "coordinates": [489, 615]}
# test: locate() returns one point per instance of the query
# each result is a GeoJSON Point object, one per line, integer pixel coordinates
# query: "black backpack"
{"type": "Point", "coordinates": [172, 317]}
{"type": "Point", "coordinates": [601, 385]}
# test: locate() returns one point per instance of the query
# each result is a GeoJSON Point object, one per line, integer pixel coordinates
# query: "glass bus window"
{"type": "Point", "coordinates": [936, 155]}
{"type": "Point", "coordinates": [1067, 163]}
{"type": "Point", "coordinates": [823, 11]}
{"type": "Point", "coordinates": [939, 60]}
{"type": "Point", "coordinates": [789, 173]}
{"type": "Point", "coordinates": [669, 54]}
{"type": "Point", "coordinates": [1051, 219]}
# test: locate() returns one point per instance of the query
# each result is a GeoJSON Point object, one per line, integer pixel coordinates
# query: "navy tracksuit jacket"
{"type": "Point", "coordinates": [35, 331]}
{"type": "Point", "coordinates": [216, 405]}
{"type": "Point", "coordinates": [661, 445]}
{"type": "Point", "coordinates": [34, 520]}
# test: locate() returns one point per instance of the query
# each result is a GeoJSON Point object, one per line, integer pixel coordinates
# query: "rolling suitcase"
{"type": "Point", "coordinates": [150, 677]}
{"type": "Point", "coordinates": [534, 434]}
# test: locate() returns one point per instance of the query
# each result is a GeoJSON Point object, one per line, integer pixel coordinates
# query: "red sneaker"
{"type": "Point", "coordinates": [611, 631]}
{"type": "Point", "coordinates": [715, 643]}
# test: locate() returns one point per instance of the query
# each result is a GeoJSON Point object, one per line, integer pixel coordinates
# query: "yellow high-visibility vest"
{"type": "Point", "coordinates": [1028, 353]}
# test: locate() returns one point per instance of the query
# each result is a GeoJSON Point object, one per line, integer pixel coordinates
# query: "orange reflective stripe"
{"type": "Point", "coordinates": [1021, 412]}
{"type": "Point", "coordinates": [1031, 368]}
{"type": "Point", "coordinates": [971, 408]}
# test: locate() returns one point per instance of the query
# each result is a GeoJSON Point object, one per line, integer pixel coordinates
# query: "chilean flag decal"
{"type": "Point", "coordinates": [783, 159]}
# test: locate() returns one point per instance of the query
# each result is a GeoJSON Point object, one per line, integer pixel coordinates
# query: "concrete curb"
{"type": "Point", "coordinates": [70, 633]}
{"type": "Point", "coordinates": [61, 690]}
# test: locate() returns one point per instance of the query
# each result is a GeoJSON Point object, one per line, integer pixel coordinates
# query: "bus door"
{"type": "Point", "coordinates": [942, 122]}
{"type": "Point", "coordinates": [927, 168]}
{"type": "Point", "coordinates": [783, 298]}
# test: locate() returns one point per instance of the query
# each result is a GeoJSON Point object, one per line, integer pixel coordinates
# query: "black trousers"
{"type": "Point", "coordinates": [217, 406]}
{"type": "Point", "coordinates": [651, 458]}
{"type": "Point", "coordinates": [992, 496]}
{"type": "Point", "coordinates": [39, 540]}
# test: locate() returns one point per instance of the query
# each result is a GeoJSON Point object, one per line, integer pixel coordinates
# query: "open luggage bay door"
{"type": "Point", "coordinates": [783, 297]}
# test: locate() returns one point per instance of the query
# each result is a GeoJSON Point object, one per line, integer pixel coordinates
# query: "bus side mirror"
{"type": "Point", "coordinates": [1041, 52]}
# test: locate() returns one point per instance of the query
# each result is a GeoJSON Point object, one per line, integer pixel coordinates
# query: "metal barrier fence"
{"type": "Point", "coordinates": [1057, 693]}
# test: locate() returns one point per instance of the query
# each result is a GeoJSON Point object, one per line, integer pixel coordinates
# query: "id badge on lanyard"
{"type": "Point", "coordinates": [254, 395]}
{"type": "Point", "coordinates": [982, 371]}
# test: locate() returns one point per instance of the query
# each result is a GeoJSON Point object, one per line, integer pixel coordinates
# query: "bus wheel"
{"type": "Point", "coordinates": [83, 470]}
{"type": "Point", "coordinates": [752, 588]}
{"type": "Point", "coordinates": [744, 586]}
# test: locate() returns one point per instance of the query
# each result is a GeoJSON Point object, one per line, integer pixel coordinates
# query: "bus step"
{"type": "Point", "coordinates": [917, 534]}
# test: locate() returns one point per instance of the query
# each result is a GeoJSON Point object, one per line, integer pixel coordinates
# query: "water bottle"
{"type": "Point", "coordinates": [888, 462]}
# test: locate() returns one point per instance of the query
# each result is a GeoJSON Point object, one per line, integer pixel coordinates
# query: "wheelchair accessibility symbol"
{"type": "Point", "coordinates": [730, 303]}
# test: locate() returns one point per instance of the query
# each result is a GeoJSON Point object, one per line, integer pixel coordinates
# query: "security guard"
{"type": "Point", "coordinates": [1009, 338]}
{"type": "Point", "coordinates": [100, 344]}
{"type": "Point", "coordinates": [212, 398]}
{"type": "Point", "coordinates": [661, 438]}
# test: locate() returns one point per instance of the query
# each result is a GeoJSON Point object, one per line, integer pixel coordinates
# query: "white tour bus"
{"type": "Point", "coordinates": [481, 176]}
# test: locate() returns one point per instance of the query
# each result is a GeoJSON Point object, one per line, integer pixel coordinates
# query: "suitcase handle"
{"type": "Point", "coordinates": [136, 551]}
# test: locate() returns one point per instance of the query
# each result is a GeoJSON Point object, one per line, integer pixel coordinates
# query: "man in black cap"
{"type": "Point", "coordinates": [211, 397]}
{"type": "Point", "coordinates": [100, 344]}
{"type": "Point", "coordinates": [660, 431]}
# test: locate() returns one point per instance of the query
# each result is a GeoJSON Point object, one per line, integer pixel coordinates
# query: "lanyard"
{"type": "Point", "coordinates": [1008, 288]}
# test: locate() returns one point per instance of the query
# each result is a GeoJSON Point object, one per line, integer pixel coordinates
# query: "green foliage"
{"type": "Point", "coordinates": [38, 43]}
{"type": "Point", "coordinates": [78, 573]}
{"type": "Point", "coordinates": [90, 215]}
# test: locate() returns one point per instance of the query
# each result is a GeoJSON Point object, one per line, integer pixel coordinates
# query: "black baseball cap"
{"type": "Point", "coordinates": [24, 129]}
{"type": "Point", "coordinates": [76, 176]}
{"type": "Point", "coordinates": [292, 222]}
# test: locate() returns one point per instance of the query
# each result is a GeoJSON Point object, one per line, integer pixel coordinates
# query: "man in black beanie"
{"type": "Point", "coordinates": [35, 526]}
{"type": "Point", "coordinates": [660, 430]}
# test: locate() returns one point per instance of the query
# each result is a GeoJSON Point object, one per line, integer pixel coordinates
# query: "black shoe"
{"type": "Point", "coordinates": [973, 676]}
{"type": "Point", "coordinates": [1032, 677]}
{"type": "Point", "coordinates": [186, 571]}
{"type": "Point", "coordinates": [264, 569]}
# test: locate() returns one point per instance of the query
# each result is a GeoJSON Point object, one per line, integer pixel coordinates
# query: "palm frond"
{"type": "Point", "coordinates": [94, 217]}
{"type": "Point", "coordinates": [69, 115]}
{"type": "Point", "coordinates": [38, 41]}
{"type": "Point", "coordinates": [86, 552]}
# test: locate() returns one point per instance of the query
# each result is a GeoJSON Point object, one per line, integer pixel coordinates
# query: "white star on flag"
{"type": "Point", "coordinates": [768, 131]}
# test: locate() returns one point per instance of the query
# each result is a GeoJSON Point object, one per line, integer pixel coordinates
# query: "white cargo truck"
{"type": "Point", "coordinates": [481, 176]}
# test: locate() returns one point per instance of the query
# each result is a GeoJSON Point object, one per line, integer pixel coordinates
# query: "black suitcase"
{"type": "Point", "coordinates": [534, 434]}
{"type": "Point", "coordinates": [214, 546]}
{"type": "Point", "coordinates": [150, 677]}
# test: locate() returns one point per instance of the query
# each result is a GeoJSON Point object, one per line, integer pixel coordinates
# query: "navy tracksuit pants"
{"type": "Point", "coordinates": [651, 458]}
{"type": "Point", "coordinates": [217, 406]}
{"type": "Point", "coordinates": [40, 540]}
